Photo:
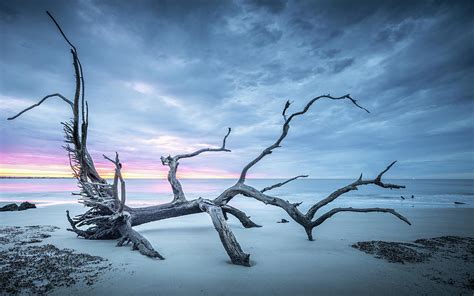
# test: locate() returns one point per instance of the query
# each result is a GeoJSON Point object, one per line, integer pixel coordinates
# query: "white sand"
{"type": "Point", "coordinates": [284, 262]}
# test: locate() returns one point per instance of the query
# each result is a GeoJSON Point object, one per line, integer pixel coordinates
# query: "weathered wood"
{"type": "Point", "coordinates": [138, 241]}
{"type": "Point", "coordinates": [173, 161]}
{"type": "Point", "coordinates": [286, 128]}
{"type": "Point", "coordinates": [282, 183]}
{"type": "Point", "coordinates": [243, 218]}
{"type": "Point", "coordinates": [232, 247]}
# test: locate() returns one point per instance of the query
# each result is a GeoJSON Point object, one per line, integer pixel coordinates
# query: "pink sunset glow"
{"type": "Point", "coordinates": [17, 164]}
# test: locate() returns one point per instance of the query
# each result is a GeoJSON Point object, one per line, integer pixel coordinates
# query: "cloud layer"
{"type": "Point", "coordinates": [165, 77]}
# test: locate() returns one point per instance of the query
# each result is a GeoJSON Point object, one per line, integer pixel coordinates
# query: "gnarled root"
{"type": "Point", "coordinates": [138, 241]}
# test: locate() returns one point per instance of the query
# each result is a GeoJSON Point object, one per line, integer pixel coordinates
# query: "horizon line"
{"type": "Point", "coordinates": [226, 178]}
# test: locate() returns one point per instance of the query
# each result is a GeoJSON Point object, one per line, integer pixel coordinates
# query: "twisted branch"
{"type": "Point", "coordinates": [286, 127]}
{"type": "Point", "coordinates": [330, 213]}
{"type": "Point", "coordinates": [353, 186]}
{"type": "Point", "coordinates": [118, 177]}
{"type": "Point", "coordinates": [172, 163]}
{"type": "Point", "coordinates": [222, 148]}
{"type": "Point", "coordinates": [41, 101]}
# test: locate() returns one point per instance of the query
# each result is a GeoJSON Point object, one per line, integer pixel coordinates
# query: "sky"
{"type": "Point", "coordinates": [169, 77]}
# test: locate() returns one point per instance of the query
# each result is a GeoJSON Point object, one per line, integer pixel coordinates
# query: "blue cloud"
{"type": "Point", "coordinates": [190, 71]}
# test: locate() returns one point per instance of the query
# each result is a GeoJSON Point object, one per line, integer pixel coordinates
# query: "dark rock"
{"type": "Point", "coordinates": [26, 205]}
{"type": "Point", "coordinates": [283, 221]}
{"type": "Point", "coordinates": [9, 207]}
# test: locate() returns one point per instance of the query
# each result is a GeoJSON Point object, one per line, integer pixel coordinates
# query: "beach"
{"type": "Point", "coordinates": [283, 261]}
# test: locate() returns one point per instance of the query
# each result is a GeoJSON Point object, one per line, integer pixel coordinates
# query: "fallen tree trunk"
{"type": "Point", "coordinates": [108, 216]}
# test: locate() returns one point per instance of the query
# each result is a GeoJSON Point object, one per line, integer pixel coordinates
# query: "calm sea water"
{"type": "Point", "coordinates": [427, 193]}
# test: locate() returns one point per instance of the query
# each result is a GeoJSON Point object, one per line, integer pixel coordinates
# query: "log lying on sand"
{"type": "Point", "coordinates": [108, 216]}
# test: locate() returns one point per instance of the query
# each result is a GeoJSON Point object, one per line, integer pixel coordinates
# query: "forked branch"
{"type": "Point", "coordinates": [353, 186]}
{"type": "Point", "coordinates": [286, 127]}
{"type": "Point", "coordinates": [173, 161]}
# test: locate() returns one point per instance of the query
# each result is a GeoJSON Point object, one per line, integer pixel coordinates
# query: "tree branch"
{"type": "Point", "coordinates": [353, 186]}
{"type": "Point", "coordinates": [282, 183]}
{"type": "Point", "coordinates": [61, 31]}
{"type": "Point", "coordinates": [232, 247]}
{"type": "Point", "coordinates": [250, 191]}
{"type": "Point", "coordinates": [118, 176]}
{"type": "Point", "coordinates": [222, 148]}
{"type": "Point", "coordinates": [173, 161]}
{"type": "Point", "coordinates": [330, 213]}
{"type": "Point", "coordinates": [243, 218]}
{"type": "Point", "coordinates": [139, 242]}
{"type": "Point", "coordinates": [40, 102]}
{"type": "Point", "coordinates": [286, 127]}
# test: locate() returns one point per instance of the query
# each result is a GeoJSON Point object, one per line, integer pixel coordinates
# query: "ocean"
{"type": "Point", "coordinates": [141, 192]}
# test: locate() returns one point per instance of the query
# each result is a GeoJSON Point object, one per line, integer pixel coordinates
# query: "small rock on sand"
{"type": "Point", "coordinates": [14, 207]}
{"type": "Point", "coordinates": [9, 207]}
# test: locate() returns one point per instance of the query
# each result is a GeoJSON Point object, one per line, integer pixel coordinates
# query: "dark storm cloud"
{"type": "Point", "coordinates": [273, 6]}
{"type": "Point", "coordinates": [161, 75]}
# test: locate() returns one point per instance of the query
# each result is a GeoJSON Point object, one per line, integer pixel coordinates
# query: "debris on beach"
{"type": "Point", "coordinates": [17, 235]}
{"type": "Point", "coordinates": [392, 251]}
{"type": "Point", "coordinates": [14, 207]}
{"type": "Point", "coordinates": [29, 267]}
{"type": "Point", "coordinates": [448, 259]}
{"type": "Point", "coordinates": [283, 221]}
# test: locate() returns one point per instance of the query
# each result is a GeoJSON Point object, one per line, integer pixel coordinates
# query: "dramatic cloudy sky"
{"type": "Point", "coordinates": [164, 77]}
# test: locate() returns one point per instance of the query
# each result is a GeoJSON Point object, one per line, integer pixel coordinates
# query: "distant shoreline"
{"type": "Point", "coordinates": [72, 178]}
{"type": "Point", "coordinates": [13, 177]}
{"type": "Point", "coordinates": [27, 177]}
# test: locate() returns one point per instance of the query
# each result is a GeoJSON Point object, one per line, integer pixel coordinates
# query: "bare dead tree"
{"type": "Point", "coordinates": [108, 216]}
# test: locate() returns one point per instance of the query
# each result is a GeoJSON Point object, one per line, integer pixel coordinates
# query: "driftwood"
{"type": "Point", "coordinates": [108, 216]}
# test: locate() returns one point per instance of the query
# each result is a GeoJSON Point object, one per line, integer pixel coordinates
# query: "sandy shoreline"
{"type": "Point", "coordinates": [284, 262]}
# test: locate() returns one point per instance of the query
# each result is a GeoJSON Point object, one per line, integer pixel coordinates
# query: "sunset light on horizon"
{"type": "Point", "coordinates": [182, 82]}
{"type": "Point", "coordinates": [59, 168]}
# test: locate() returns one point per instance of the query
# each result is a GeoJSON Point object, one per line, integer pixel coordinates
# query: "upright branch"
{"type": "Point", "coordinates": [286, 127]}
{"type": "Point", "coordinates": [173, 161]}
{"type": "Point", "coordinates": [118, 177]}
